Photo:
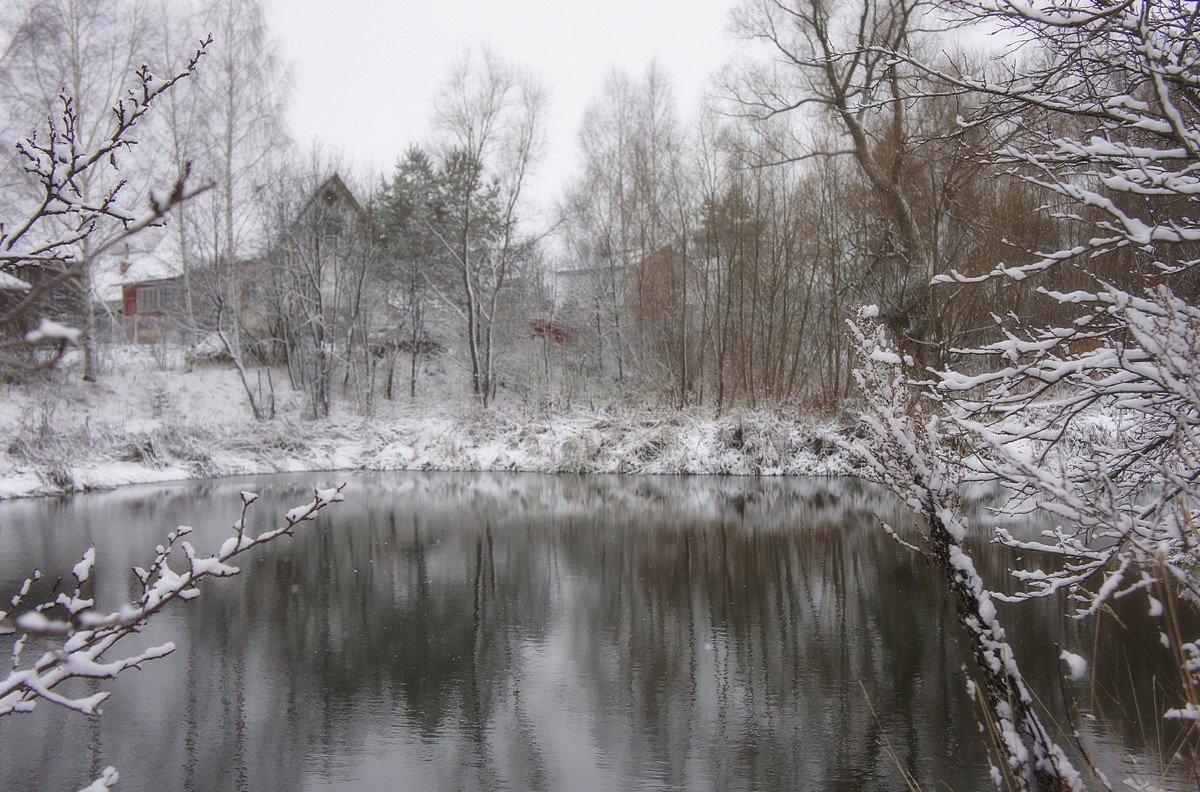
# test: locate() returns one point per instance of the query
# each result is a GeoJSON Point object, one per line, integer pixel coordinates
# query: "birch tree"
{"type": "Point", "coordinates": [631, 219]}
{"type": "Point", "coordinates": [490, 116]}
{"type": "Point", "coordinates": [230, 126]}
{"type": "Point", "coordinates": [246, 87]}
{"type": "Point", "coordinates": [87, 53]}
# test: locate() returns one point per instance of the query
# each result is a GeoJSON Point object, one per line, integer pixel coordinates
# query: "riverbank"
{"type": "Point", "coordinates": [146, 425]}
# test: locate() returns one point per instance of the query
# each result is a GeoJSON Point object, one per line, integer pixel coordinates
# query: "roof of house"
{"type": "Point", "coordinates": [332, 186]}
{"type": "Point", "coordinates": [155, 259]}
{"type": "Point", "coordinates": [12, 283]}
{"type": "Point", "coordinates": [154, 255]}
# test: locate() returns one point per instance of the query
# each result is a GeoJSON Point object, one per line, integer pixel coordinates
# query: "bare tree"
{"type": "Point", "coordinates": [831, 60]}
{"type": "Point", "coordinates": [321, 253]}
{"type": "Point", "coordinates": [183, 133]}
{"type": "Point", "coordinates": [600, 216]}
{"type": "Point", "coordinates": [247, 88]}
{"type": "Point", "coordinates": [490, 115]}
{"type": "Point", "coordinates": [88, 52]}
{"type": "Point", "coordinates": [1127, 348]}
{"type": "Point", "coordinates": [631, 221]}
{"type": "Point", "coordinates": [229, 126]}
{"type": "Point", "coordinates": [66, 228]}
{"type": "Point", "coordinates": [235, 141]}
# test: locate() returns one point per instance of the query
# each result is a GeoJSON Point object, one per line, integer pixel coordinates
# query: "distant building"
{"type": "Point", "coordinates": [330, 207]}
{"type": "Point", "coordinates": [138, 288]}
{"type": "Point", "coordinates": [145, 291]}
{"type": "Point", "coordinates": [148, 308]}
{"type": "Point", "coordinates": [62, 302]}
{"type": "Point", "coordinates": [583, 285]}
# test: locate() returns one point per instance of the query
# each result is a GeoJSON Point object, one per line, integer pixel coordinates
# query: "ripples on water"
{"type": "Point", "coordinates": [495, 631]}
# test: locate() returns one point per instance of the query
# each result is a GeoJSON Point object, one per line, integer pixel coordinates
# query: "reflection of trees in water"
{"type": "Point", "coordinates": [748, 645]}
{"type": "Point", "coordinates": [489, 631]}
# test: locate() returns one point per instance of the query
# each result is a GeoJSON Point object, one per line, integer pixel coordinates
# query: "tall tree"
{"type": "Point", "coordinates": [830, 61]}
{"type": "Point", "coordinates": [490, 116]}
{"type": "Point", "coordinates": [321, 252]}
{"type": "Point", "coordinates": [412, 209]}
{"type": "Point", "coordinates": [246, 87]}
{"type": "Point", "coordinates": [181, 138]}
{"type": "Point", "coordinates": [629, 222]}
{"type": "Point", "coordinates": [85, 53]}
{"type": "Point", "coordinates": [229, 125]}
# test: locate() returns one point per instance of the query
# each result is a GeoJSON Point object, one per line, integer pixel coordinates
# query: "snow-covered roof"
{"type": "Point", "coordinates": [153, 255]}
{"type": "Point", "coordinates": [12, 283]}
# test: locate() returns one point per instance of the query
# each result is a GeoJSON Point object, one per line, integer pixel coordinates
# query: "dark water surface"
{"type": "Point", "coordinates": [522, 632]}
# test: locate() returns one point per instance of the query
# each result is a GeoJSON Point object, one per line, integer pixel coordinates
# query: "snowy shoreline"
{"type": "Point", "coordinates": [151, 420]}
{"type": "Point", "coordinates": [45, 460]}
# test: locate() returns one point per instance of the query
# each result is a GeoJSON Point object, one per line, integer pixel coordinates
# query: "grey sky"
{"type": "Point", "coordinates": [365, 71]}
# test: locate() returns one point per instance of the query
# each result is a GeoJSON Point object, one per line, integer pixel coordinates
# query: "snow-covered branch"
{"type": "Point", "coordinates": [66, 636]}
{"type": "Point", "coordinates": [67, 228]}
{"type": "Point", "coordinates": [911, 450]}
{"type": "Point", "coordinates": [1092, 417]}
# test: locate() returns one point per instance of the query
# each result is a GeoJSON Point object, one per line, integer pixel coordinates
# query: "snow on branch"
{"type": "Point", "coordinates": [50, 238]}
{"type": "Point", "coordinates": [910, 450]}
{"type": "Point", "coordinates": [1127, 76]}
{"type": "Point", "coordinates": [1094, 420]}
{"type": "Point", "coordinates": [66, 636]}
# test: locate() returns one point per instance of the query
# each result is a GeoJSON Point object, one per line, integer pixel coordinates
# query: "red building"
{"type": "Point", "coordinates": [549, 329]}
{"type": "Point", "coordinates": [145, 306]}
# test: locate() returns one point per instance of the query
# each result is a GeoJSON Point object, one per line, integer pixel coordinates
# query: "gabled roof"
{"type": "Point", "coordinates": [333, 186]}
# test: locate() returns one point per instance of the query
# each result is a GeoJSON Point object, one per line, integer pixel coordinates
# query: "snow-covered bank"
{"type": "Point", "coordinates": [99, 456]}
{"type": "Point", "coordinates": [150, 427]}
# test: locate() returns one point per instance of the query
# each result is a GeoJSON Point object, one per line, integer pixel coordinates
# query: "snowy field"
{"type": "Point", "coordinates": [150, 419]}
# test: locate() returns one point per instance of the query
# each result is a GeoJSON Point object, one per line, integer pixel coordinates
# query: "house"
{"type": "Point", "coordinates": [330, 206]}
{"type": "Point", "coordinates": [140, 290]}
{"type": "Point", "coordinates": [153, 297]}
{"type": "Point", "coordinates": [658, 288]}
{"type": "Point", "coordinates": [147, 307]}
{"type": "Point", "coordinates": [581, 285]}
{"type": "Point", "coordinates": [62, 302]}
{"type": "Point", "coordinates": [148, 296]}
{"type": "Point", "coordinates": [321, 238]}
{"type": "Point", "coordinates": [653, 288]}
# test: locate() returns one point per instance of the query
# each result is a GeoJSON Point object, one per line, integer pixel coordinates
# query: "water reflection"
{"type": "Point", "coordinates": [489, 631]}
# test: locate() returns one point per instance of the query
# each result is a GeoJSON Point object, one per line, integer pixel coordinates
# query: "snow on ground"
{"type": "Point", "coordinates": [148, 420]}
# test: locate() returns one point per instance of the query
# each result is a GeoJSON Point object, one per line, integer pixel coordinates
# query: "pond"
{"type": "Point", "coordinates": [524, 632]}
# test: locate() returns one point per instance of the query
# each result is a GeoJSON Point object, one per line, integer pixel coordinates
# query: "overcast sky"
{"type": "Point", "coordinates": [365, 71]}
